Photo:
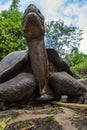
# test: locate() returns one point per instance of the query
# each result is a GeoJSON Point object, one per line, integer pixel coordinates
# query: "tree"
{"type": "Point", "coordinates": [11, 37]}
{"type": "Point", "coordinates": [14, 5]}
{"type": "Point", "coordinates": [62, 38]}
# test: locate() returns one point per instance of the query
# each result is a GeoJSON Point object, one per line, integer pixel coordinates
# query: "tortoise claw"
{"type": "Point", "coordinates": [45, 97]}
{"type": "Point", "coordinates": [82, 99]}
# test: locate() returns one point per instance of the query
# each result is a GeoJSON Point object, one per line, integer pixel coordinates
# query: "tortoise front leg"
{"type": "Point", "coordinates": [64, 84]}
{"type": "Point", "coordinates": [17, 89]}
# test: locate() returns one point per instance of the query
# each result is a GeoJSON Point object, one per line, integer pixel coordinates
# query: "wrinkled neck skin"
{"type": "Point", "coordinates": [38, 57]}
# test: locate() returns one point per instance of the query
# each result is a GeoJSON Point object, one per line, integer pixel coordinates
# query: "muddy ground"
{"type": "Point", "coordinates": [44, 116]}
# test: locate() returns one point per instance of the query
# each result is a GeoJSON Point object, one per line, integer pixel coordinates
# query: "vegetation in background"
{"type": "Point", "coordinates": [64, 39]}
{"type": "Point", "coordinates": [15, 5]}
{"type": "Point", "coordinates": [59, 36]}
{"type": "Point", "coordinates": [78, 63]}
{"type": "Point", "coordinates": [11, 37]}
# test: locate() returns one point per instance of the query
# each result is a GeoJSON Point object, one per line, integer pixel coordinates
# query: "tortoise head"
{"type": "Point", "coordinates": [33, 23]}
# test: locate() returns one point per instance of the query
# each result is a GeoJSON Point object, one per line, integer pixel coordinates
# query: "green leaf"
{"type": "Point", "coordinates": [3, 123]}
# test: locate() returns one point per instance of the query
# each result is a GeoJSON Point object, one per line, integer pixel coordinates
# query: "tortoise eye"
{"type": "Point", "coordinates": [39, 11]}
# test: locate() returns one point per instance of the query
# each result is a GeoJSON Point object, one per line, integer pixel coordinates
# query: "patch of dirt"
{"type": "Point", "coordinates": [81, 124]}
{"type": "Point", "coordinates": [80, 121]}
{"type": "Point", "coordinates": [47, 123]}
{"type": "Point", "coordinates": [45, 116]}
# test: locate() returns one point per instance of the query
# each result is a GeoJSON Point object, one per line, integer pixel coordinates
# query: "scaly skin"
{"type": "Point", "coordinates": [63, 84]}
{"type": "Point", "coordinates": [18, 89]}
{"type": "Point", "coordinates": [33, 24]}
{"type": "Point", "coordinates": [33, 29]}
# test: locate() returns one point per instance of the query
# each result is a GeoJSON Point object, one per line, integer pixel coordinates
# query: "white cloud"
{"type": "Point", "coordinates": [5, 6]}
{"type": "Point", "coordinates": [70, 13]}
{"type": "Point", "coordinates": [83, 46]}
{"type": "Point", "coordinates": [50, 7]}
{"type": "Point", "coordinates": [76, 15]}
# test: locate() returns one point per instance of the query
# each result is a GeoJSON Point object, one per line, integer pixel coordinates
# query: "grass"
{"type": "Point", "coordinates": [80, 66]}
{"type": "Point", "coordinates": [49, 119]}
{"type": "Point", "coordinates": [21, 124]}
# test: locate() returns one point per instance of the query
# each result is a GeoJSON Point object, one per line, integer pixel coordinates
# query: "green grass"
{"type": "Point", "coordinates": [49, 119]}
{"type": "Point", "coordinates": [82, 65]}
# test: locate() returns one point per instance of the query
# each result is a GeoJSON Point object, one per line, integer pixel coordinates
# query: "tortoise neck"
{"type": "Point", "coordinates": [35, 43]}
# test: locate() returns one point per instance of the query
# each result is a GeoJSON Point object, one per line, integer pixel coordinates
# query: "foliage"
{"type": "Point", "coordinates": [49, 119]}
{"type": "Point", "coordinates": [14, 5]}
{"type": "Point", "coordinates": [78, 62]}
{"type": "Point", "coordinates": [3, 123]}
{"type": "Point", "coordinates": [62, 38]}
{"type": "Point", "coordinates": [11, 37]}
{"type": "Point", "coordinates": [77, 58]}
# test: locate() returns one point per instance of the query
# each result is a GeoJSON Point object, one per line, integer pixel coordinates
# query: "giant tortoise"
{"type": "Point", "coordinates": [37, 73]}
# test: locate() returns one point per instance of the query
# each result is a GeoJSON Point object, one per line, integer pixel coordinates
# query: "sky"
{"type": "Point", "coordinates": [70, 11]}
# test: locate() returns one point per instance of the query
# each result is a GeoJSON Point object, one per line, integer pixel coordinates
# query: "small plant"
{"type": "Point", "coordinates": [3, 123]}
{"type": "Point", "coordinates": [76, 73]}
{"type": "Point", "coordinates": [49, 119]}
{"type": "Point", "coordinates": [56, 109]}
{"type": "Point", "coordinates": [21, 124]}
{"type": "Point", "coordinates": [59, 126]}
{"type": "Point", "coordinates": [78, 63]}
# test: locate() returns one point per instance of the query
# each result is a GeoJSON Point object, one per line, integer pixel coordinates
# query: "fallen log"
{"type": "Point", "coordinates": [69, 105]}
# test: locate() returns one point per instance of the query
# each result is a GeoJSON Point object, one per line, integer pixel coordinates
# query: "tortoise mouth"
{"type": "Point", "coordinates": [32, 9]}
{"type": "Point", "coordinates": [33, 23]}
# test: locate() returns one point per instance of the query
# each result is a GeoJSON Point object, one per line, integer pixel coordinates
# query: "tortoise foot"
{"type": "Point", "coordinates": [45, 97]}
{"type": "Point", "coordinates": [79, 99]}
{"type": "Point", "coordinates": [85, 97]}
{"type": "Point", "coordinates": [82, 99]}
{"type": "Point", "coordinates": [4, 106]}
